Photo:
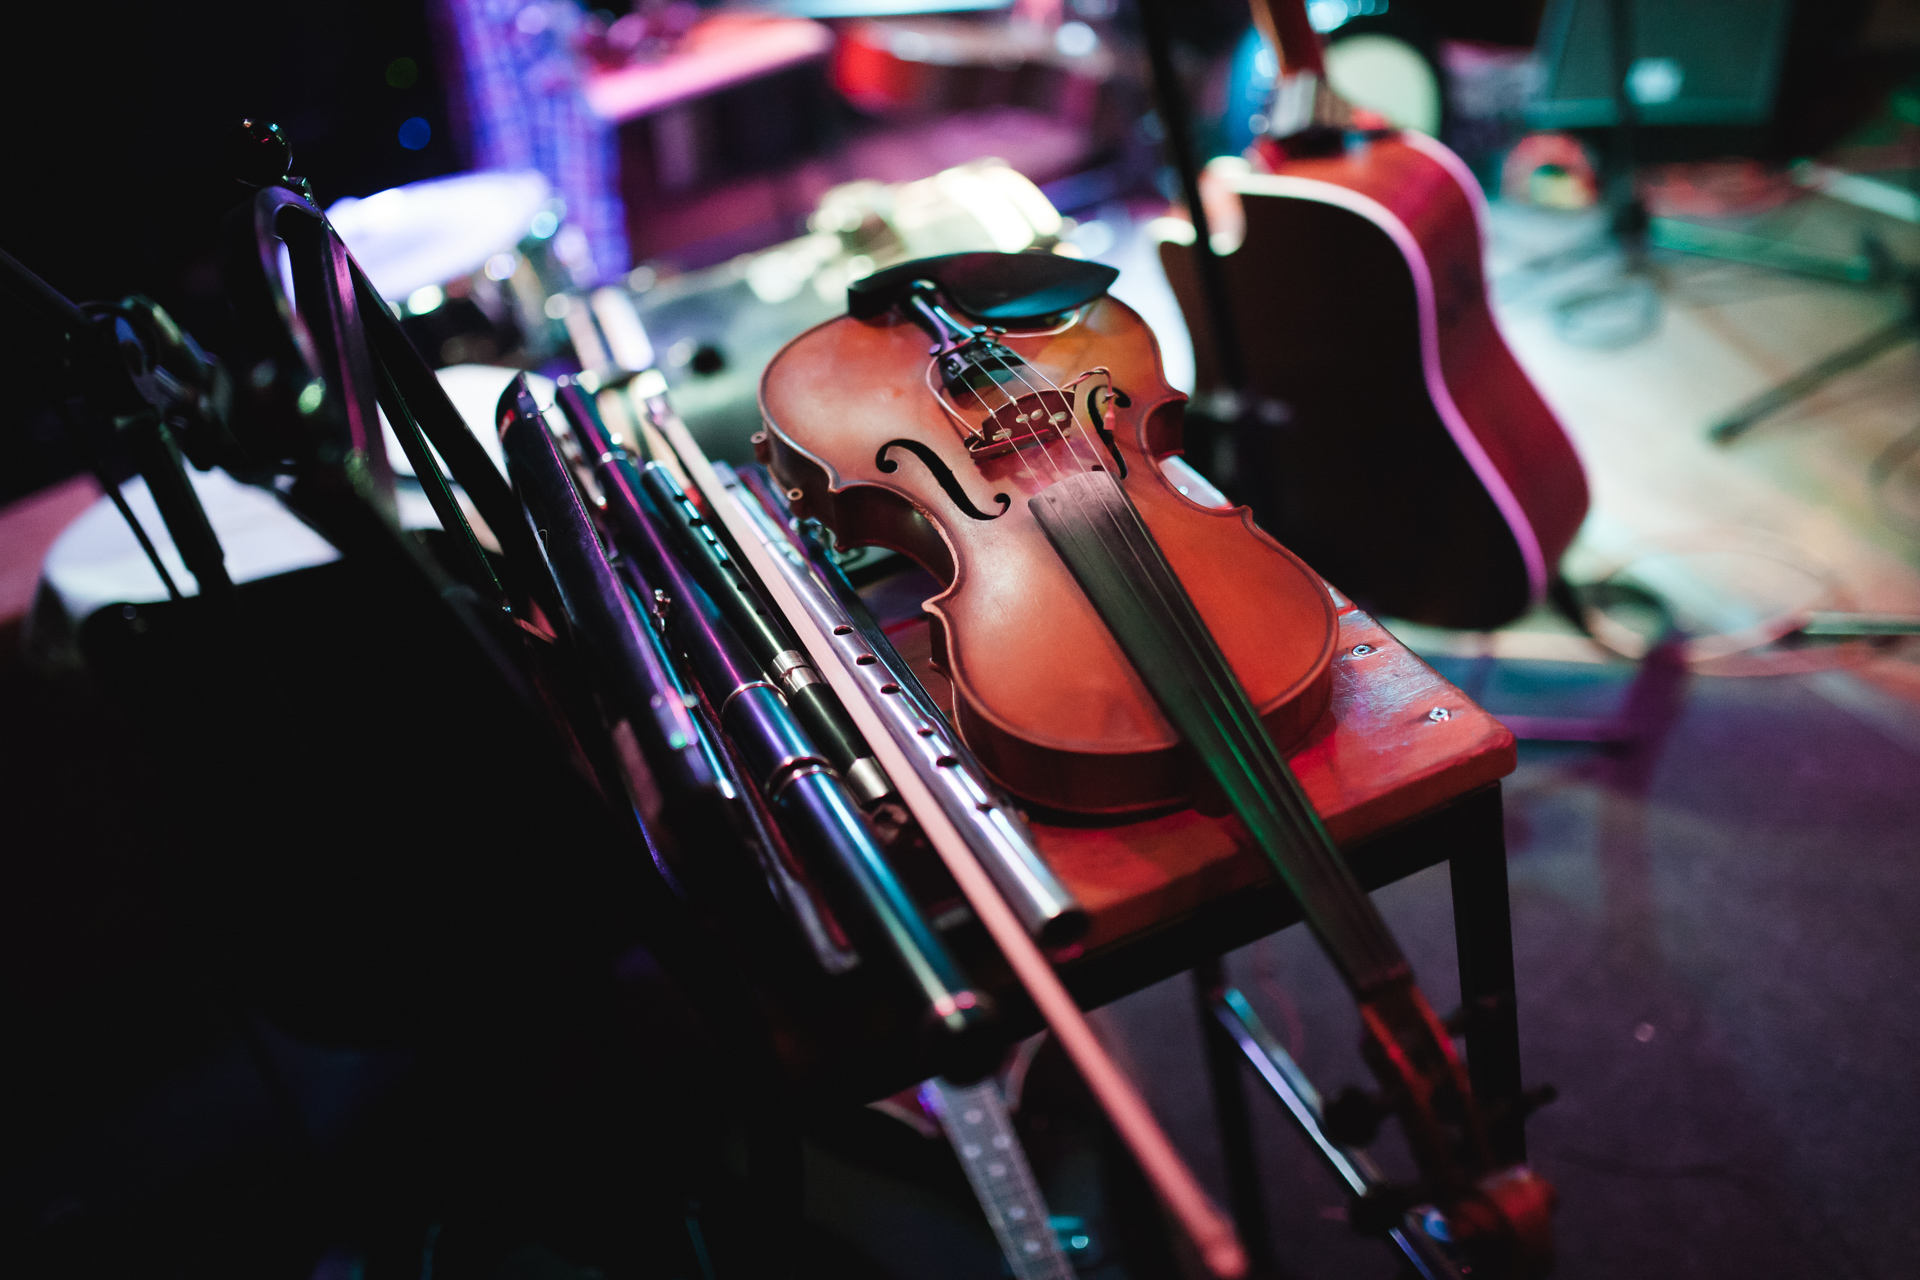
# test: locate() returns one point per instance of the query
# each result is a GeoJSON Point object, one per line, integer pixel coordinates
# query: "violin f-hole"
{"type": "Point", "coordinates": [941, 472]}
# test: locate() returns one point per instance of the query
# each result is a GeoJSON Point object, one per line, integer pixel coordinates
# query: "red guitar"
{"type": "Point", "coordinates": [1402, 452]}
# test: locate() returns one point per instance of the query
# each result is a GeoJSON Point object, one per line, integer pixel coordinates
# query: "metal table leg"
{"type": "Point", "coordinates": [1230, 1114]}
{"type": "Point", "coordinates": [1483, 941]}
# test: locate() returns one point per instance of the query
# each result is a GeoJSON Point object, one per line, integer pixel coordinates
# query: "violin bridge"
{"type": "Point", "coordinates": [1038, 417]}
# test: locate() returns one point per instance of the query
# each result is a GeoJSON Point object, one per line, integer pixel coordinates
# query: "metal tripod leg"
{"type": "Point", "coordinates": [1799, 387]}
{"type": "Point", "coordinates": [1230, 1114]}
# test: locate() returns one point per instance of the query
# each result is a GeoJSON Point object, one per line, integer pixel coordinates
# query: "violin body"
{"type": "Point", "coordinates": [1403, 450]}
{"type": "Point", "coordinates": [1044, 696]}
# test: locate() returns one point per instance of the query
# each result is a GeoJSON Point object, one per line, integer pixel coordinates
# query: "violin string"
{"type": "Point", "coordinates": [1039, 396]}
{"type": "Point", "coordinates": [1033, 432]}
{"type": "Point", "coordinates": [1032, 476]}
{"type": "Point", "coordinates": [1026, 464]}
{"type": "Point", "coordinates": [1040, 400]}
{"type": "Point", "coordinates": [1065, 433]}
{"type": "Point", "coordinates": [987, 343]}
{"type": "Point", "coordinates": [1032, 429]}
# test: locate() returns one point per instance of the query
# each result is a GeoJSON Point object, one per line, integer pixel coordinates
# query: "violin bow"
{"type": "Point", "coordinates": [1201, 1221]}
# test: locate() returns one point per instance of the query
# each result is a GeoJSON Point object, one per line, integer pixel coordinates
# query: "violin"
{"type": "Point", "coordinates": [1113, 644]}
{"type": "Point", "coordinates": [941, 460]}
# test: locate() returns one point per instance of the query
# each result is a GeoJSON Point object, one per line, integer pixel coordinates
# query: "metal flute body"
{"type": "Point", "coordinates": [796, 898]}
{"type": "Point", "coordinates": [694, 772]}
{"type": "Point", "coordinates": [782, 761]}
{"type": "Point", "coordinates": [988, 823]}
{"type": "Point", "coordinates": [779, 655]}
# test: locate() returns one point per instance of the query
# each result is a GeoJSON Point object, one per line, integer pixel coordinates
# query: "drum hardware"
{"type": "Point", "coordinates": [476, 265]}
{"type": "Point", "coordinates": [166, 402]}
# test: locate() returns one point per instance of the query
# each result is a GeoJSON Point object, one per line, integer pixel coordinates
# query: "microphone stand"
{"type": "Point", "coordinates": [139, 372]}
{"type": "Point", "coordinates": [1232, 402]}
{"type": "Point", "coordinates": [1626, 309]}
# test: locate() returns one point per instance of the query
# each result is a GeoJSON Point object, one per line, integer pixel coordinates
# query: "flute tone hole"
{"type": "Point", "coordinates": [843, 631]}
{"type": "Point", "coordinates": [866, 659]}
{"type": "Point", "coordinates": [889, 688]}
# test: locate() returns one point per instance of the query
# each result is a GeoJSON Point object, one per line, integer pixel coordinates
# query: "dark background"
{"type": "Point", "coordinates": [112, 156]}
{"type": "Point", "coordinates": [114, 182]}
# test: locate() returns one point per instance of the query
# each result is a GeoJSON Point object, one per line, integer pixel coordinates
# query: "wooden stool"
{"type": "Point", "coordinates": [1405, 771]}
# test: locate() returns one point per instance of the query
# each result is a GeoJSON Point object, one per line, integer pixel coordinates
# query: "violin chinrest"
{"type": "Point", "coordinates": [1011, 289]}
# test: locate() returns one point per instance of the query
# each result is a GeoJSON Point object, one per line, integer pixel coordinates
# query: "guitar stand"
{"type": "Point", "coordinates": [1656, 686]}
{"type": "Point", "coordinates": [1628, 309]}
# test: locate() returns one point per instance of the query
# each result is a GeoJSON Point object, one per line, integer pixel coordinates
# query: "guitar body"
{"type": "Point", "coordinates": [1403, 452]}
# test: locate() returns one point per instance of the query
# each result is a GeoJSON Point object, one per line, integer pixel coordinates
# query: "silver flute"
{"type": "Point", "coordinates": [989, 824]}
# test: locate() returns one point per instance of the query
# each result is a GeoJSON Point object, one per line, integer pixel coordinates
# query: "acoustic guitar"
{"type": "Point", "coordinates": [1389, 437]}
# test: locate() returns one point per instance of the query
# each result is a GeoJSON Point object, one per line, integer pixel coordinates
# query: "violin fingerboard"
{"type": "Point", "coordinates": [1112, 554]}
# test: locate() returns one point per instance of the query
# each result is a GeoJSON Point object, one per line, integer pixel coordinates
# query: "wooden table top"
{"type": "Point", "coordinates": [1396, 741]}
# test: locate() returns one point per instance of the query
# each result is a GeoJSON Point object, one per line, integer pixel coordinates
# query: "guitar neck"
{"type": "Point", "coordinates": [1284, 25]}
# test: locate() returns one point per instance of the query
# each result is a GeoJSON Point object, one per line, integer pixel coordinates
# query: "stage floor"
{"type": "Point", "coordinates": [1713, 930]}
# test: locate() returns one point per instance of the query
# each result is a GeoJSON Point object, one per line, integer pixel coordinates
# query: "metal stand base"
{"type": "Point", "coordinates": [1797, 388]}
{"type": "Point", "coordinates": [1233, 1031]}
{"type": "Point", "coordinates": [1483, 939]}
